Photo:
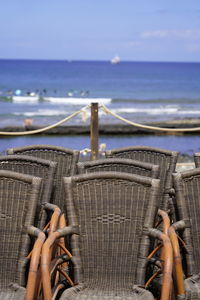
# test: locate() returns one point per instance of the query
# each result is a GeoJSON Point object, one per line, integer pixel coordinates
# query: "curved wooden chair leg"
{"type": "Point", "coordinates": [34, 263]}
{"type": "Point", "coordinates": [47, 256]}
{"type": "Point", "coordinates": [167, 265]}
{"type": "Point", "coordinates": [177, 262]}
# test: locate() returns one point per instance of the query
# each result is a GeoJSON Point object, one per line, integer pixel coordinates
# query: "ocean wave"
{"type": "Point", "coordinates": [77, 101]}
{"type": "Point", "coordinates": [26, 99]}
{"type": "Point", "coordinates": [162, 110]}
{"type": "Point", "coordinates": [167, 110]}
{"type": "Point", "coordinates": [189, 112]}
{"type": "Point", "coordinates": [157, 100]}
{"type": "Point", "coordinates": [149, 111]}
{"type": "Point", "coordinates": [84, 101]}
{"type": "Point", "coordinates": [62, 100]}
{"type": "Point", "coordinates": [42, 113]}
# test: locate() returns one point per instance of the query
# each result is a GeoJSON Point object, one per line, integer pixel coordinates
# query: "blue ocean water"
{"type": "Point", "coordinates": [184, 144]}
{"type": "Point", "coordinates": [139, 91]}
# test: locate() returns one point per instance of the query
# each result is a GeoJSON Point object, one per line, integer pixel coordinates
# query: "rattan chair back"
{"type": "Point", "coordinates": [113, 210]}
{"type": "Point", "coordinates": [36, 167]}
{"type": "Point", "coordinates": [187, 189]}
{"type": "Point", "coordinates": [119, 165]}
{"type": "Point", "coordinates": [166, 160]}
{"type": "Point", "coordinates": [66, 164]}
{"type": "Point", "coordinates": [19, 195]}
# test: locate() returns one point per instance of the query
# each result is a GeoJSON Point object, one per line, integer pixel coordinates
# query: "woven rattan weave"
{"type": "Point", "coordinates": [66, 164]}
{"type": "Point", "coordinates": [36, 167]}
{"type": "Point", "coordinates": [166, 160]}
{"type": "Point", "coordinates": [18, 201]}
{"type": "Point", "coordinates": [187, 188]}
{"type": "Point", "coordinates": [113, 211]}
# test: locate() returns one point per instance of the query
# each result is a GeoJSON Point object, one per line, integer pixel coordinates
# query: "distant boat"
{"type": "Point", "coordinates": [115, 60]}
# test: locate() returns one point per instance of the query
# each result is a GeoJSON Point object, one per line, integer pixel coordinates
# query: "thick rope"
{"type": "Point", "coordinates": [108, 111]}
{"type": "Point", "coordinates": [47, 127]}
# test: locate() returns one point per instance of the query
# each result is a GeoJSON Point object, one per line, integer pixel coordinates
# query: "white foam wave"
{"type": "Point", "coordinates": [169, 110]}
{"type": "Point", "coordinates": [121, 111]}
{"type": "Point", "coordinates": [189, 112]}
{"type": "Point", "coordinates": [77, 101]}
{"type": "Point", "coordinates": [42, 112]}
{"type": "Point", "coordinates": [26, 99]}
{"type": "Point", "coordinates": [150, 111]}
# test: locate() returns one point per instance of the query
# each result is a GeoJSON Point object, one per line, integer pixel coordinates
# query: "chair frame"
{"type": "Point", "coordinates": [115, 164]}
{"type": "Point", "coordinates": [185, 226]}
{"type": "Point", "coordinates": [36, 161]}
{"type": "Point", "coordinates": [73, 229]}
{"type": "Point", "coordinates": [141, 152]}
{"type": "Point", "coordinates": [43, 151]}
{"type": "Point", "coordinates": [35, 185]}
{"type": "Point", "coordinates": [74, 153]}
{"type": "Point", "coordinates": [18, 163]}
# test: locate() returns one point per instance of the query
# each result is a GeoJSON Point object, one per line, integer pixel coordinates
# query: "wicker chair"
{"type": "Point", "coordinates": [19, 195]}
{"type": "Point", "coordinates": [113, 213]}
{"type": "Point", "coordinates": [66, 164]}
{"type": "Point", "coordinates": [166, 159]}
{"type": "Point", "coordinates": [187, 189]}
{"type": "Point", "coordinates": [36, 167]}
{"type": "Point", "coordinates": [119, 165]}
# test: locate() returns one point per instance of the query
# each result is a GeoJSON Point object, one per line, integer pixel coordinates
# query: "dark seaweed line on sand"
{"type": "Point", "coordinates": [114, 129]}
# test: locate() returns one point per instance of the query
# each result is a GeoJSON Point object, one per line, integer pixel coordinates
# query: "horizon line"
{"type": "Point", "coordinates": [97, 60]}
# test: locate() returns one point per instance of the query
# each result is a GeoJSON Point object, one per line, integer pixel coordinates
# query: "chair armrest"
{"type": "Point", "coordinates": [68, 230]}
{"type": "Point", "coordinates": [49, 206]}
{"type": "Point", "coordinates": [181, 225]}
{"type": "Point", "coordinates": [34, 231]}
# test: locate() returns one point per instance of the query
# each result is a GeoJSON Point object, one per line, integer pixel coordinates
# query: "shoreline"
{"type": "Point", "coordinates": [116, 130]}
{"type": "Point", "coordinates": [113, 129]}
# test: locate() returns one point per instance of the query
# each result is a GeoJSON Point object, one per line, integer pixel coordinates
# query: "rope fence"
{"type": "Point", "coordinates": [107, 111]}
{"type": "Point", "coordinates": [47, 127]}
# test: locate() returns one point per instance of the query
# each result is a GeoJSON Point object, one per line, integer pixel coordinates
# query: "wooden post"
{"type": "Point", "coordinates": [94, 131]}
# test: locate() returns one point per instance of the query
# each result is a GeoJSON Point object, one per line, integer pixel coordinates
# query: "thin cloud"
{"type": "Point", "coordinates": [193, 48]}
{"type": "Point", "coordinates": [162, 11]}
{"type": "Point", "coordinates": [134, 43]}
{"type": "Point", "coordinates": [24, 44]}
{"type": "Point", "coordinates": [172, 34]}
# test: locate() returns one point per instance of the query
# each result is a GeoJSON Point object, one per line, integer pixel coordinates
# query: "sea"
{"type": "Point", "coordinates": [47, 91]}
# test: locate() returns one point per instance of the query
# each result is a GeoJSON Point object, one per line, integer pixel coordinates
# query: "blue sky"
{"type": "Point", "coordinates": [137, 30]}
